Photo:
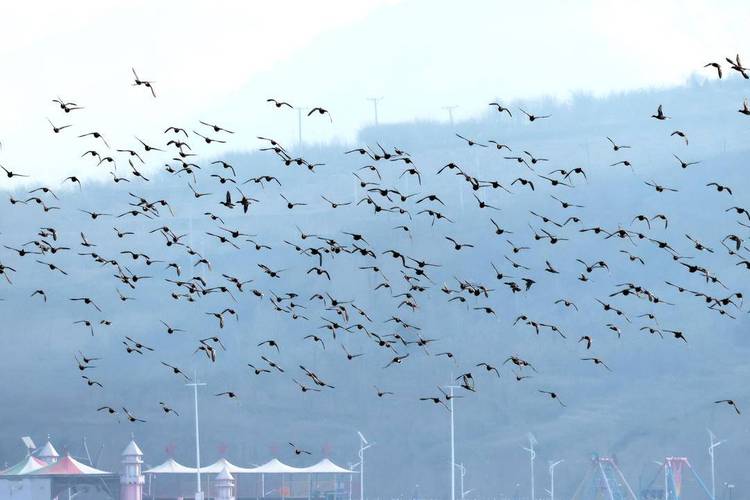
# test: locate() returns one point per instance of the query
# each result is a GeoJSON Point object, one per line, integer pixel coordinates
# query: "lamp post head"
{"type": "Point", "coordinates": [714, 445]}
{"type": "Point", "coordinates": [362, 438]}
{"type": "Point", "coordinates": [532, 439]}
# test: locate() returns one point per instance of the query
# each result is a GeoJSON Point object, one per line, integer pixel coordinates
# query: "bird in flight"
{"type": "Point", "coordinates": [279, 104]}
{"type": "Point", "coordinates": [320, 111]}
{"type": "Point", "coordinates": [372, 266]}
{"type": "Point", "coordinates": [10, 174]}
{"type": "Point", "coordinates": [716, 66]}
{"type": "Point", "coordinates": [730, 402]}
{"type": "Point", "coordinates": [299, 451]}
{"type": "Point", "coordinates": [553, 395]}
{"type": "Point", "coordinates": [138, 82]}
{"type": "Point", "coordinates": [501, 109]}
{"type": "Point", "coordinates": [532, 117]}
{"type": "Point", "coordinates": [660, 114]}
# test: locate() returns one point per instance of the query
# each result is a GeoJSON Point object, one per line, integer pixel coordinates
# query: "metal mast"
{"type": "Point", "coordinates": [195, 384]}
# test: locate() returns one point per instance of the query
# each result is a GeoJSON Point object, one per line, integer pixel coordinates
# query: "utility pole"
{"type": "Point", "coordinates": [195, 384]}
{"type": "Point", "coordinates": [375, 101]}
{"type": "Point", "coordinates": [713, 445]}
{"type": "Point", "coordinates": [552, 466]}
{"type": "Point", "coordinates": [450, 109]}
{"type": "Point", "coordinates": [532, 456]}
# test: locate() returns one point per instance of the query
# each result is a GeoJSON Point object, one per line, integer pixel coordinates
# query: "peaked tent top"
{"type": "Point", "coordinates": [69, 466]}
{"type": "Point", "coordinates": [325, 466]}
{"type": "Point", "coordinates": [25, 466]}
{"type": "Point", "coordinates": [171, 466]}
{"type": "Point", "coordinates": [275, 466]}
{"type": "Point", "coordinates": [222, 464]}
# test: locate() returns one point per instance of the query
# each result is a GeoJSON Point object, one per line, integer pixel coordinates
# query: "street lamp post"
{"type": "Point", "coordinates": [730, 490]}
{"type": "Point", "coordinates": [299, 126]}
{"type": "Point", "coordinates": [375, 101]}
{"type": "Point", "coordinates": [363, 445]}
{"type": "Point", "coordinates": [552, 466]}
{"type": "Point", "coordinates": [195, 384]}
{"type": "Point", "coordinates": [450, 397]}
{"type": "Point", "coordinates": [450, 109]}
{"type": "Point", "coordinates": [351, 477]}
{"type": "Point", "coordinates": [453, 452]}
{"type": "Point", "coordinates": [711, 447]}
{"type": "Point", "coordinates": [463, 473]}
{"type": "Point", "coordinates": [532, 457]}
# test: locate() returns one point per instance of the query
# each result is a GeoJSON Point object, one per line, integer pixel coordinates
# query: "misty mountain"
{"type": "Point", "coordinates": [657, 401]}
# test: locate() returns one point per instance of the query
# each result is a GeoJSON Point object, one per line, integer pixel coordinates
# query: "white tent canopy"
{"type": "Point", "coordinates": [170, 466]}
{"type": "Point", "coordinates": [222, 464]}
{"type": "Point", "coordinates": [275, 466]}
{"type": "Point", "coordinates": [325, 466]}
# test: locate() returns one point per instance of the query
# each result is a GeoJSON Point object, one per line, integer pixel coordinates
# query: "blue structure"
{"type": "Point", "coordinates": [604, 481]}
{"type": "Point", "coordinates": [674, 467]}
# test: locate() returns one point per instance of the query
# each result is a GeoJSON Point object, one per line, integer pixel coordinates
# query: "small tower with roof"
{"type": "Point", "coordinates": [48, 453]}
{"type": "Point", "coordinates": [131, 478]}
{"type": "Point", "coordinates": [225, 485]}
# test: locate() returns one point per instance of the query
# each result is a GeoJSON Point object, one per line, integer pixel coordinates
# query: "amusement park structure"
{"type": "Point", "coordinates": [672, 471]}
{"type": "Point", "coordinates": [605, 481]}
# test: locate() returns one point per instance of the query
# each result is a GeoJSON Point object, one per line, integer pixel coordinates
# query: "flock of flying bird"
{"type": "Point", "coordinates": [408, 279]}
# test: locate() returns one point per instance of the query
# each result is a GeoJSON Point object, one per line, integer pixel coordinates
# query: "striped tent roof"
{"type": "Point", "coordinates": [68, 466]}
{"type": "Point", "coordinates": [25, 466]}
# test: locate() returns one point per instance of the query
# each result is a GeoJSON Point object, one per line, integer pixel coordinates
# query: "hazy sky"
{"type": "Point", "coordinates": [220, 63]}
